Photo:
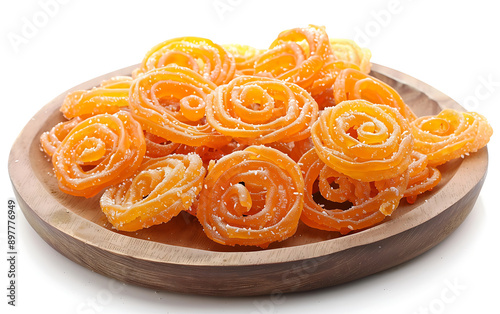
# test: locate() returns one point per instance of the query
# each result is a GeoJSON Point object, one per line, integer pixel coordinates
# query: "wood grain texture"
{"type": "Point", "coordinates": [174, 256]}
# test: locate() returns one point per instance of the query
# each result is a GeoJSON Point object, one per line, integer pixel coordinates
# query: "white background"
{"type": "Point", "coordinates": [451, 46]}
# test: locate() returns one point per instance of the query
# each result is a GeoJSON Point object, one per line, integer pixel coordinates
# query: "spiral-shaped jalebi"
{"type": "Point", "coordinates": [251, 197]}
{"type": "Point", "coordinates": [201, 55]}
{"type": "Point", "coordinates": [450, 134]}
{"type": "Point", "coordinates": [364, 141]}
{"type": "Point", "coordinates": [160, 189]}
{"type": "Point", "coordinates": [170, 103]}
{"type": "Point", "coordinates": [110, 97]}
{"type": "Point", "coordinates": [296, 55]}
{"type": "Point", "coordinates": [352, 84]}
{"type": "Point", "coordinates": [98, 152]}
{"type": "Point", "coordinates": [369, 202]}
{"type": "Point", "coordinates": [258, 110]}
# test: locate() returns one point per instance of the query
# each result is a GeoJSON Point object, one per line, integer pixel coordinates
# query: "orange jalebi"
{"type": "Point", "coordinates": [110, 97]}
{"type": "Point", "coordinates": [258, 110]}
{"type": "Point", "coordinates": [352, 84]}
{"type": "Point", "coordinates": [51, 140]}
{"type": "Point", "coordinates": [368, 202]}
{"type": "Point", "coordinates": [296, 56]}
{"type": "Point", "coordinates": [201, 55]}
{"type": "Point", "coordinates": [450, 134]}
{"type": "Point", "coordinates": [251, 197]}
{"type": "Point", "coordinates": [160, 190]}
{"type": "Point", "coordinates": [364, 141]}
{"type": "Point", "coordinates": [169, 102]}
{"type": "Point", "coordinates": [422, 177]}
{"type": "Point", "coordinates": [98, 152]}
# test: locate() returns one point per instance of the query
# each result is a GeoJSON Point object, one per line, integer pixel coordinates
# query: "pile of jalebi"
{"type": "Point", "coordinates": [254, 142]}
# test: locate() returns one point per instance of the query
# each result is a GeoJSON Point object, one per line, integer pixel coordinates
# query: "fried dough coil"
{"type": "Point", "coordinates": [258, 110]}
{"type": "Point", "coordinates": [251, 197]}
{"type": "Point", "coordinates": [170, 103]}
{"type": "Point", "coordinates": [353, 84]}
{"type": "Point", "coordinates": [364, 141]}
{"type": "Point", "coordinates": [450, 134]}
{"type": "Point", "coordinates": [201, 55]}
{"type": "Point", "coordinates": [296, 55]}
{"type": "Point", "coordinates": [109, 97]}
{"type": "Point", "coordinates": [370, 202]}
{"type": "Point", "coordinates": [98, 152]}
{"type": "Point", "coordinates": [160, 189]}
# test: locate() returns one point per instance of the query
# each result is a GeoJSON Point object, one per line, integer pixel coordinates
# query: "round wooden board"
{"type": "Point", "coordinates": [177, 256]}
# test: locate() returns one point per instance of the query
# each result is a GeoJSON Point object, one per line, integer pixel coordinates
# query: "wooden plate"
{"type": "Point", "coordinates": [177, 256]}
